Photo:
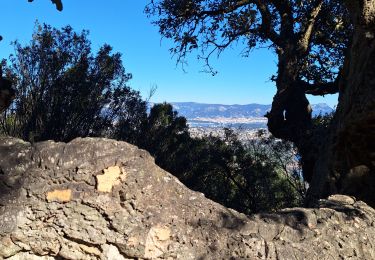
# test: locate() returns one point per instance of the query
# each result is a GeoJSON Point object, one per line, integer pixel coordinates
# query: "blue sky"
{"type": "Point", "coordinates": [122, 24]}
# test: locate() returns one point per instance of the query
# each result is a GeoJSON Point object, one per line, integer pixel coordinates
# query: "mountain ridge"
{"type": "Point", "coordinates": [248, 116]}
{"type": "Point", "coordinates": [192, 110]}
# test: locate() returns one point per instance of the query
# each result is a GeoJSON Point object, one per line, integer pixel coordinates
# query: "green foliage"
{"type": "Point", "coordinates": [65, 91]}
{"type": "Point", "coordinates": [252, 177]}
{"type": "Point", "coordinates": [323, 121]}
{"type": "Point", "coordinates": [128, 115]}
{"type": "Point", "coordinates": [165, 135]}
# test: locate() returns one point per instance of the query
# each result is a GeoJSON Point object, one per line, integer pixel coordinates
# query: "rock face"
{"type": "Point", "coordinates": [102, 199]}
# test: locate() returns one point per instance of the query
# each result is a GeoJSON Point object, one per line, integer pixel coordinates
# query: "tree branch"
{"type": "Point", "coordinates": [230, 9]}
{"type": "Point", "coordinates": [286, 15]}
{"type": "Point", "coordinates": [319, 89]}
{"type": "Point", "coordinates": [305, 37]}
{"type": "Point", "coordinates": [266, 26]}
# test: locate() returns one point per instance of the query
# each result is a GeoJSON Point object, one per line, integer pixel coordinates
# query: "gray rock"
{"type": "Point", "coordinates": [103, 199]}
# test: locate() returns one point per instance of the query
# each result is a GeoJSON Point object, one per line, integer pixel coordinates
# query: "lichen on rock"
{"type": "Point", "coordinates": [59, 195]}
{"type": "Point", "coordinates": [112, 176]}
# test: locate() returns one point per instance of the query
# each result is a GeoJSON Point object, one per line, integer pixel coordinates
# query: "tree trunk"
{"type": "Point", "coordinates": [346, 163]}
{"type": "Point", "coordinates": [290, 116]}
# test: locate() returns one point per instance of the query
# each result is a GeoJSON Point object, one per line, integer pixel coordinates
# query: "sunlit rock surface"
{"type": "Point", "coordinates": [102, 199]}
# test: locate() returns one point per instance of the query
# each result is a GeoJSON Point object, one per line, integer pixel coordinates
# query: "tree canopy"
{"type": "Point", "coordinates": [316, 30]}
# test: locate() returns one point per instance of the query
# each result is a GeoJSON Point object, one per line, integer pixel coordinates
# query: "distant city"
{"type": "Point", "coordinates": [245, 120]}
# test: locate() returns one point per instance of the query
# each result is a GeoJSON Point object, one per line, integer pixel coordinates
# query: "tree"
{"type": "Point", "coordinates": [311, 39]}
{"type": "Point", "coordinates": [129, 113]}
{"type": "Point", "coordinates": [166, 137]}
{"type": "Point", "coordinates": [65, 91]}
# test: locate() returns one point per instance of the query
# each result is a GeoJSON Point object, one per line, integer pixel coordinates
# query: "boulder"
{"type": "Point", "coordinates": [103, 199]}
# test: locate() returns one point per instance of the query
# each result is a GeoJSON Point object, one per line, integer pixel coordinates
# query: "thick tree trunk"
{"type": "Point", "coordinates": [290, 116]}
{"type": "Point", "coordinates": [346, 162]}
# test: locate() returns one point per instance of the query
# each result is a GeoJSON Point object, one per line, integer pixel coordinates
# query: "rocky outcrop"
{"type": "Point", "coordinates": [102, 199]}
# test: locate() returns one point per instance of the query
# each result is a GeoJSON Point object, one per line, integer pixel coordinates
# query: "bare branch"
{"type": "Point", "coordinates": [266, 26]}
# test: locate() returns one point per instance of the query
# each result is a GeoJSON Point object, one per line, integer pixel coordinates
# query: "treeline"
{"type": "Point", "coordinates": [64, 91]}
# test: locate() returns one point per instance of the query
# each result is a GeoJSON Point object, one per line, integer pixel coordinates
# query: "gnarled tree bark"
{"type": "Point", "coordinates": [346, 162]}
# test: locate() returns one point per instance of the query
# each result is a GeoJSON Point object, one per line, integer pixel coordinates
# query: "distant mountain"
{"type": "Point", "coordinates": [249, 116]}
{"type": "Point", "coordinates": [321, 108]}
{"type": "Point", "coordinates": [192, 110]}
